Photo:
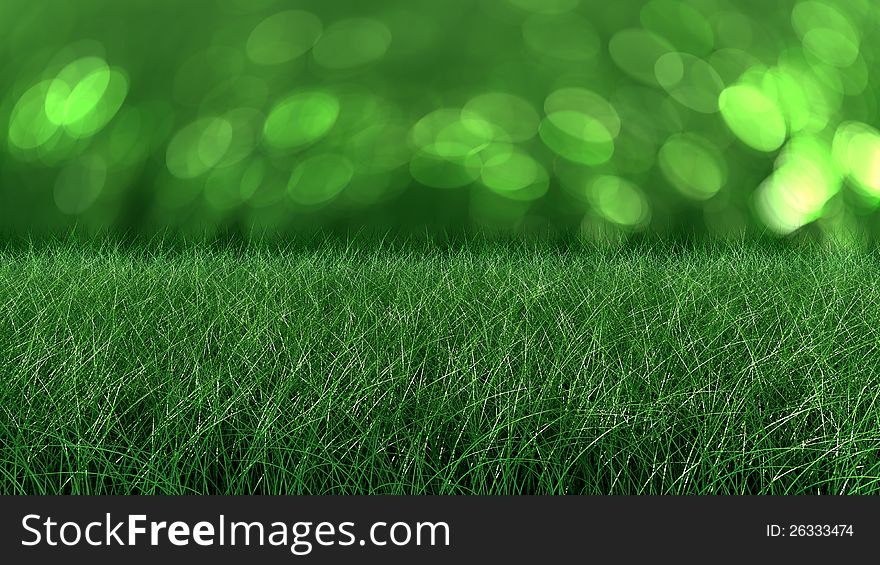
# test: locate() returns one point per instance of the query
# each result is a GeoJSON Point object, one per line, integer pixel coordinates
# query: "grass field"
{"type": "Point", "coordinates": [491, 368]}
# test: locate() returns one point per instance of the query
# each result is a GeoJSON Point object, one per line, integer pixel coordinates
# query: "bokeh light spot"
{"type": "Point", "coordinates": [352, 43]}
{"type": "Point", "coordinates": [283, 37]}
{"type": "Point", "coordinates": [235, 91]}
{"type": "Point", "coordinates": [690, 81]}
{"type": "Point", "coordinates": [198, 147]}
{"type": "Point", "coordinates": [319, 179]}
{"type": "Point", "coordinates": [786, 88]}
{"type": "Point", "coordinates": [636, 51]}
{"type": "Point", "coordinates": [516, 175]}
{"type": "Point", "coordinates": [831, 47]}
{"type": "Point", "coordinates": [301, 119]}
{"type": "Point", "coordinates": [680, 23]}
{"type": "Point", "coordinates": [649, 114]}
{"type": "Point", "coordinates": [104, 110]}
{"type": "Point", "coordinates": [811, 15]}
{"type": "Point", "coordinates": [693, 165]}
{"type": "Point", "coordinates": [454, 133]}
{"type": "Point", "coordinates": [29, 125]}
{"type": "Point", "coordinates": [731, 63]}
{"type": "Point", "coordinates": [252, 178]}
{"type": "Point", "coordinates": [856, 150]}
{"type": "Point", "coordinates": [577, 137]}
{"type": "Point", "coordinates": [379, 148]}
{"type": "Point", "coordinates": [804, 181]}
{"type": "Point", "coordinates": [77, 90]}
{"type": "Point", "coordinates": [465, 137]}
{"type": "Point", "coordinates": [619, 201]}
{"type": "Point", "coordinates": [585, 102]}
{"type": "Point", "coordinates": [753, 117]}
{"type": "Point", "coordinates": [79, 184]}
{"type": "Point", "coordinates": [245, 129]}
{"type": "Point", "coordinates": [511, 113]}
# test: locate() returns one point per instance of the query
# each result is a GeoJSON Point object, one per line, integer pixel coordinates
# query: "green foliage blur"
{"type": "Point", "coordinates": [708, 117]}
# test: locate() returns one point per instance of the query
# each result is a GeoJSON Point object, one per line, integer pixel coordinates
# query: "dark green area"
{"type": "Point", "coordinates": [469, 367]}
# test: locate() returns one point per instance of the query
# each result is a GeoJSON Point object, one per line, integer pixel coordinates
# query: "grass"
{"type": "Point", "coordinates": [469, 369]}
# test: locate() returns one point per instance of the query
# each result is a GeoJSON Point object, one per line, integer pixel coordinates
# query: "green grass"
{"type": "Point", "coordinates": [489, 368]}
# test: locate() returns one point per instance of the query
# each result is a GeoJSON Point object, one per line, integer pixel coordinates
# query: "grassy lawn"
{"type": "Point", "coordinates": [475, 368]}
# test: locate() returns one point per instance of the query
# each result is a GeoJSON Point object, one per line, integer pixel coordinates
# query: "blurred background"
{"type": "Point", "coordinates": [707, 117]}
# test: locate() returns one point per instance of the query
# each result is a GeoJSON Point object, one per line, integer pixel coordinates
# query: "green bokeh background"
{"type": "Point", "coordinates": [665, 117]}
